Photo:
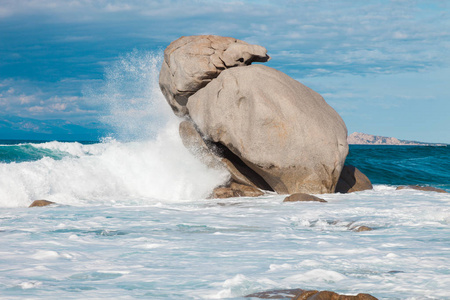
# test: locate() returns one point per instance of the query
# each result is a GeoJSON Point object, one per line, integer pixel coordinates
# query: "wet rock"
{"type": "Point", "coordinates": [395, 272]}
{"type": "Point", "coordinates": [236, 190]}
{"type": "Point", "coordinates": [302, 197]}
{"type": "Point", "coordinates": [279, 128]}
{"type": "Point", "coordinates": [222, 193]}
{"type": "Point", "coordinates": [194, 142]}
{"type": "Point", "coordinates": [352, 180]}
{"type": "Point", "coordinates": [421, 188]}
{"type": "Point", "coordinates": [39, 203]}
{"type": "Point", "coordinates": [327, 295]}
{"type": "Point", "coordinates": [215, 156]}
{"type": "Point", "coordinates": [305, 295]}
{"type": "Point", "coordinates": [299, 294]}
{"type": "Point", "coordinates": [277, 294]}
{"type": "Point", "coordinates": [245, 191]}
{"type": "Point", "coordinates": [361, 228]}
{"type": "Point", "coordinates": [191, 62]}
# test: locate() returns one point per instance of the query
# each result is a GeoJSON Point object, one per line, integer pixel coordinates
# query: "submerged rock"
{"type": "Point", "coordinates": [361, 228]}
{"type": "Point", "coordinates": [421, 188]}
{"type": "Point", "coordinates": [39, 203]}
{"type": "Point", "coordinates": [352, 180]}
{"type": "Point", "coordinates": [302, 197]}
{"type": "Point", "coordinates": [299, 294]}
{"type": "Point", "coordinates": [277, 294]}
{"type": "Point", "coordinates": [280, 129]}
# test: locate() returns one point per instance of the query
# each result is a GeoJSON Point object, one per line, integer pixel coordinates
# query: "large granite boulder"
{"type": "Point", "coordinates": [280, 129]}
{"type": "Point", "coordinates": [191, 62]}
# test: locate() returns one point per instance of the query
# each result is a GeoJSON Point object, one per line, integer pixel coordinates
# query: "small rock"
{"type": "Point", "coordinates": [236, 190]}
{"type": "Point", "coordinates": [361, 228]}
{"type": "Point", "coordinates": [395, 272]}
{"type": "Point", "coordinates": [222, 192]}
{"type": "Point", "coordinates": [242, 190]}
{"type": "Point", "coordinates": [327, 295]}
{"type": "Point", "coordinates": [39, 203]}
{"type": "Point", "coordinates": [305, 295]}
{"type": "Point", "coordinates": [302, 197]}
{"type": "Point", "coordinates": [421, 188]}
{"type": "Point", "coordinates": [277, 294]}
{"type": "Point", "coordinates": [299, 294]}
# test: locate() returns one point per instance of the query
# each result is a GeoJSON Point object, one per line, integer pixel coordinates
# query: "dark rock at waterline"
{"type": "Point", "coordinates": [236, 190]}
{"type": "Point", "coordinates": [299, 294]}
{"type": "Point", "coordinates": [222, 192]}
{"type": "Point", "coordinates": [352, 180]}
{"type": "Point", "coordinates": [395, 272]}
{"type": "Point", "coordinates": [421, 188]}
{"type": "Point", "coordinates": [39, 203]}
{"type": "Point", "coordinates": [277, 294]}
{"type": "Point", "coordinates": [361, 228]}
{"type": "Point", "coordinates": [327, 295]}
{"type": "Point", "coordinates": [301, 197]}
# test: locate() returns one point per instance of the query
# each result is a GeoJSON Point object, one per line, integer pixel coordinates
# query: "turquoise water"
{"type": "Point", "coordinates": [399, 165]}
{"type": "Point", "coordinates": [392, 165]}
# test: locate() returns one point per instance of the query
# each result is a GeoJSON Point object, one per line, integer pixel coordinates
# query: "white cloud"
{"type": "Point", "coordinates": [400, 35]}
{"type": "Point", "coordinates": [117, 7]}
{"type": "Point", "coordinates": [24, 98]}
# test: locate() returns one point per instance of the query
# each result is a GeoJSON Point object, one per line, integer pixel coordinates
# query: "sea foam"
{"type": "Point", "coordinates": [111, 172]}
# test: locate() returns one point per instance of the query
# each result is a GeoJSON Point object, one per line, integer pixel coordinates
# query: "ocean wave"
{"type": "Point", "coordinates": [126, 172]}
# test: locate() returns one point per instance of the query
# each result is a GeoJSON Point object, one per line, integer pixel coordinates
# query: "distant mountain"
{"type": "Point", "coordinates": [358, 138]}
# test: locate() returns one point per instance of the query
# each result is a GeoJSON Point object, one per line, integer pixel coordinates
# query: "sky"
{"type": "Point", "coordinates": [384, 66]}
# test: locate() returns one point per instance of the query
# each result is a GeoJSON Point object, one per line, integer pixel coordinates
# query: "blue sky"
{"type": "Point", "coordinates": [383, 65]}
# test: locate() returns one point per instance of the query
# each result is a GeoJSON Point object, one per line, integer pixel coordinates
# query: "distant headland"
{"type": "Point", "coordinates": [358, 138]}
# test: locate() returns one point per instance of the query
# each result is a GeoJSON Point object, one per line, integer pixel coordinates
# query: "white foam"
{"type": "Point", "coordinates": [316, 275]}
{"type": "Point", "coordinates": [146, 162]}
{"type": "Point", "coordinates": [73, 148]}
{"type": "Point", "coordinates": [111, 173]}
{"type": "Point", "coordinates": [45, 255]}
{"type": "Point", "coordinates": [30, 284]}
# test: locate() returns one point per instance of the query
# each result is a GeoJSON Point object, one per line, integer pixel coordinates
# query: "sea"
{"type": "Point", "coordinates": [133, 218]}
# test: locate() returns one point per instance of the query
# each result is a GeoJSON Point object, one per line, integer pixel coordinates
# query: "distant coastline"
{"type": "Point", "coordinates": [358, 138]}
